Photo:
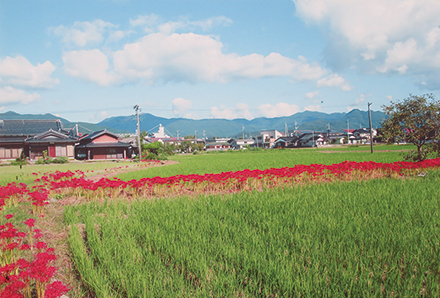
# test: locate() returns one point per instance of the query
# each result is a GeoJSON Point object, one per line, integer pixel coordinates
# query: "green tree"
{"type": "Point", "coordinates": [416, 120]}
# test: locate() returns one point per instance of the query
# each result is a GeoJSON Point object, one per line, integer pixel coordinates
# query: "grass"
{"type": "Point", "coordinates": [16, 174]}
{"type": "Point", "coordinates": [357, 239]}
{"type": "Point", "coordinates": [275, 158]}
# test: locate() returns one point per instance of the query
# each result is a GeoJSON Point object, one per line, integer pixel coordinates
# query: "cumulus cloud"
{"type": "Point", "coordinates": [334, 80]}
{"type": "Point", "coordinates": [312, 94]}
{"type": "Point", "coordinates": [359, 102]}
{"type": "Point", "coordinates": [313, 108]}
{"type": "Point", "coordinates": [180, 106]}
{"type": "Point", "coordinates": [195, 58]}
{"type": "Point", "coordinates": [186, 57]}
{"type": "Point", "coordinates": [241, 111]}
{"type": "Point", "coordinates": [152, 23]}
{"type": "Point", "coordinates": [82, 34]}
{"type": "Point", "coordinates": [18, 71]}
{"type": "Point", "coordinates": [393, 36]}
{"type": "Point", "coordinates": [279, 110]}
{"type": "Point", "coordinates": [89, 65]}
{"type": "Point", "coordinates": [10, 95]}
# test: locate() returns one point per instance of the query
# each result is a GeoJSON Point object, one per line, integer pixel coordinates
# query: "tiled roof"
{"type": "Point", "coordinates": [28, 127]}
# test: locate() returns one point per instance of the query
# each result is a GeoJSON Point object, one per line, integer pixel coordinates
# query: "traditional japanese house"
{"type": "Point", "coordinates": [52, 143]}
{"type": "Point", "coordinates": [102, 145]}
{"type": "Point", "coordinates": [13, 134]}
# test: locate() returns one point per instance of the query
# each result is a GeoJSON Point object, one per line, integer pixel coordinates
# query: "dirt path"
{"type": "Point", "coordinates": [112, 174]}
{"type": "Point", "coordinates": [55, 233]}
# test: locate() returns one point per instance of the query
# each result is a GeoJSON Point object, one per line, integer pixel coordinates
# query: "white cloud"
{"type": "Point", "coordinates": [313, 108]}
{"type": "Point", "coordinates": [359, 102]}
{"type": "Point", "coordinates": [279, 110]}
{"type": "Point", "coordinates": [401, 36]}
{"type": "Point", "coordinates": [334, 80]}
{"type": "Point", "coordinates": [180, 106]}
{"type": "Point", "coordinates": [241, 111]}
{"type": "Point", "coordinates": [90, 66]}
{"type": "Point", "coordinates": [198, 58]}
{"type": "Point", "coordinates": [19, 71]}
{"type": "Point", "coordinates": [152, 24]}
{"type": "Point", "coordinates": [82, 34]}
{"type": "Point", "coordinates": [10, 95]}
{"type": "Point", "coordinates": [312, 94]}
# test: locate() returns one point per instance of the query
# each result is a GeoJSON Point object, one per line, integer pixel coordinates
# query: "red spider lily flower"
{"type": "Point", "coordinates": [9, 216]}
{"type": "Point", "coordinates": [30, 222]}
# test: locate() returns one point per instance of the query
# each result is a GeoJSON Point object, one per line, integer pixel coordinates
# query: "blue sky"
{"type": "Point", "coordinates": [89, 60]}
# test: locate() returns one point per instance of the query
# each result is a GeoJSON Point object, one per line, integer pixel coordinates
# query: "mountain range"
{"type": "Point", "coordinates": [303, 121]}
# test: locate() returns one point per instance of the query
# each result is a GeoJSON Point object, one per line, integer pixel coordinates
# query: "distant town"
{"type": "Point", "coordinates": [41, 138]}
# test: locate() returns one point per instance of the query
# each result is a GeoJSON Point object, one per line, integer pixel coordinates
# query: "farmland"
{"type": "Point", "coordinates": [281, 223]}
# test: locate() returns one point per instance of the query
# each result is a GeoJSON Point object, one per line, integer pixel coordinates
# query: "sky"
{"type": "Point", "coordinates": [199, 59]}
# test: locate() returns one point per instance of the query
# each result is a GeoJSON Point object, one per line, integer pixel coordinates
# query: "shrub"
{"type": "Point", "coordinates": [19, 162]}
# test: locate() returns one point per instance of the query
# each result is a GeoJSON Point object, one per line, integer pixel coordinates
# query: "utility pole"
{"type": "Point", "coordinates": [136, 108]}
{"type": "Point", "coordinates": [195, 135]}
{"type": "Point", "coordinates": [328, 130]}
{"type": "Point", "coordinates": [371, 129]}
{"type": "Point", "coordinates": [242, 128]}
{"type": "Point", "coordinates": [348, 131]}
{"type": "Point", "coordinates": [286, 131]}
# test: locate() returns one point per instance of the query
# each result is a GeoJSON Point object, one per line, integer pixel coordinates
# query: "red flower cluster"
{"type": "Point", "coordinates": [24, 267]}
{"type": "Point", "coordinates": [11, 193]}
{"type": "Point", "coordinates": [239, 180]}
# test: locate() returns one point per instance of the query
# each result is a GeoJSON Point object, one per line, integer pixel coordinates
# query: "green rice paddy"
{"type": "Point", "coordinates": [376, 238]}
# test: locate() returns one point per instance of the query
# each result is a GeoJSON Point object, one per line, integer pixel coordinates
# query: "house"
{"type": "Point", "coordinates": [54, 143]}
{"type": "Point", "coordinates": [312, 139]}
{"type": "Point", "coordinates": [215, 146]}
{"type": "Point", "coordinates": [267, 138]}
{"type": "Point", "coordinates": [287, 142]}
{"type": "Point", "coordinates": [241, 143]}
{"type": "Point", "coordinates": [13, 134]}
{"type": "Point", "coordinates": [362, 135]}
{"type": "Point", "coordinates": [102, 145]}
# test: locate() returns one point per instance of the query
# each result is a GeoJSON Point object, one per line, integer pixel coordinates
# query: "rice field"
{"type": "Point", "coordinates": [217, 162]}
{"type": "Point", "coordinates": [356, 239]}
{"type": "Point", "coordinates": [277, 223]}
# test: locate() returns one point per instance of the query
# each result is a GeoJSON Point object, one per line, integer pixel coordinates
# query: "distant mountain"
{"type": "Point", "coordinates": [83, 127]}
{"type": "Point", "coordinates": [306, 120]}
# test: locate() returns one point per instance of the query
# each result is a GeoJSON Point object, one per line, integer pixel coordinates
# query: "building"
{"type": "Point", "coordinates": [241, 143]}
{"type": "Point", "coordinates": [217, 146]}
{"type": "Point", "coordinates": [267, 138]}
{"type": "Point", "coordinates": [102, 145]}
{"type": "Point", "coordinates": [19, 138]}
{"type": "Point", "coordinates": [52, 143]}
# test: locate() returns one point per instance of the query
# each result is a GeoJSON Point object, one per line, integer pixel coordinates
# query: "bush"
{"type": "Point", "coordinates": [60, 160]}
{"type": "Point", "coordinates": [43, 161]}
{"type": "Point", "coordinates": [48, 160]}
{"type": "Point", "coordinates": [19, 162]}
